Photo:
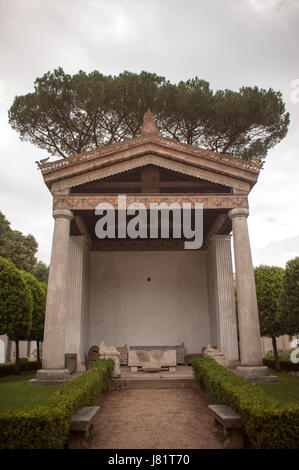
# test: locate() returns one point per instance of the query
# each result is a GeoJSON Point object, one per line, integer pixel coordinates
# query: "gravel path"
{"type": "Point", "coordinates": [155, 419]}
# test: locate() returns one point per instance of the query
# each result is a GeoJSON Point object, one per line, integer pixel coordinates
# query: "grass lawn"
{"type": "Point", "coordinates": [286, 390]}
{"type": "Point", "coordinates": [15, 393]}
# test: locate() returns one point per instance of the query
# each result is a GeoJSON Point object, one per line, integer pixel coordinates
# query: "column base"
{"type": "Point", "coordinates": [50, 377]}
{"type": "Point", "coordinates": [256, 373]}
{"type": "Point", "coordinates": [232, 364]}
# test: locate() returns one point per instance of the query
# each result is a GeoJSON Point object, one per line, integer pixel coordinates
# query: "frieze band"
{"type": "Point", "coordinates": [90, 202]}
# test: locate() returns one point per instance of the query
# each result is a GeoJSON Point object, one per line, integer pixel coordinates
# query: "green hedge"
{"type": "Point", "coordinates": [283, 354]}
{"type": "Point", "coordinates": [47, 426]}
{"type": "Point", "coordinates": [25, 366]}
{"type": "Point", "coordinates": [287, 366]}
{"type": "Point", "coordinates": [267, 423]}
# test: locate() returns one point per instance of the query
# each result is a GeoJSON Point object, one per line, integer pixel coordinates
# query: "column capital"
{"type": "Point", "coordinates": [238, 212]}
{"type": "Point", "coordinates": [63, 214]}
{"type": "Point", "coordinates": [219, 236]}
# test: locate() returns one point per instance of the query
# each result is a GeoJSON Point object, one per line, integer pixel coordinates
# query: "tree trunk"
{"type": "Point", "coordinates": [8, 350]}
{"type": "Point", "coordinates": [28, 349]}
{"type": "Point", "coordinates": [17, 357]}
{"type": "Point", "coordinates": [37, 350]}
{"type": "Point", "coordinates": [276, 360]}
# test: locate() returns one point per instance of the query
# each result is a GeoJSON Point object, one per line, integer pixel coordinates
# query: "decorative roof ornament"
{"type": "Point", "coordinates": [41, 162]}
{"type": "Point", "coordinates": [149, 124]}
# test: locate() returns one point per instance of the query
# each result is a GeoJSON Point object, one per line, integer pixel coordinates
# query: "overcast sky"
{"type": "Point", "coordinates": [229, 43]}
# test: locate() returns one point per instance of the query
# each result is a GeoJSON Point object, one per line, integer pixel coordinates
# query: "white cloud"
{"type": "Point", "coordinates": [274, 201]}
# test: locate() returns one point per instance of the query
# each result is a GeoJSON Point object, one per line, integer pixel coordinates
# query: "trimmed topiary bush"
{"type": "Point", "coordinates": [267, 423]}
{"type": "Point", "coordinates": [47, 427]}
{"type": "Point", "coordinates": [39, 294]}
{"type": "Point", "coordinates": [289, 300]}
{"type": "Point", "coordinates": [268, 281]}
{"type": "Point", "coordinates": [15, 304]}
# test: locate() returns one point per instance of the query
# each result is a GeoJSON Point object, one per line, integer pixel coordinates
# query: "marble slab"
{"type": "Point", "coordinates": [154, 358]}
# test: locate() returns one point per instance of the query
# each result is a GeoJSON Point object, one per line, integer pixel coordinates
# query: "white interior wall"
{"type": "Point", "coordinates": [126, 308]}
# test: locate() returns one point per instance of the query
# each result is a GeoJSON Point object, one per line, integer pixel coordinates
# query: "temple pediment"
{"type": "Point", "coordinates": [150, 150]}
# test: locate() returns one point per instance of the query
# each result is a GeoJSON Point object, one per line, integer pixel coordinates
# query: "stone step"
{"type": "Point", "coordinates": [144, 382]}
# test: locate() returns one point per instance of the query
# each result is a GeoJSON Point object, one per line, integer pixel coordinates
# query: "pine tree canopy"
{"type": "Point", "coordinates": [69, 114]}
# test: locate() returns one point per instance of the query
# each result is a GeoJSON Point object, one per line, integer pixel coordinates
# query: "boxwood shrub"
{"type": "Point", "coordinates": [25, 366]}
{"type": "Point", "coordinates": [47, 426]}
{"type": "Point", "coordinates": [285, 365]}
{"type": "Point", "coordinates": [267, 423]}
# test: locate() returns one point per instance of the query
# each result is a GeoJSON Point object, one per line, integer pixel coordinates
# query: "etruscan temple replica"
{"type": "Point", "coordinates": [150, 293]}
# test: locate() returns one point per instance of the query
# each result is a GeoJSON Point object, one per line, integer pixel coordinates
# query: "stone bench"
{"type": "Point", "coordinates": [232, 425]}
{"type": "Point", "coordinates": [81, 427]}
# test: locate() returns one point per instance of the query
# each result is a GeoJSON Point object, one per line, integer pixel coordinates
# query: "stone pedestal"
{"type": "Point", "coordinates": [50, 377]}
{"type": "Point", "coordinates": [71, 362]}
{"type": "Point", "coordinates": [256, 373]}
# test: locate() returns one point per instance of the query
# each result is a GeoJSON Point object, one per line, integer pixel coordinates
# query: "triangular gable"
{"type": "Point", "coordinates": [150, 159]}
{"type": "Point", "coordinates": [155, 150]}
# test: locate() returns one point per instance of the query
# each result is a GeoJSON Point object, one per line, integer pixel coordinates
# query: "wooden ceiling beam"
{"type": "Point", "coordinates": [141, 184]}
{"type": "Point", "coordinates": [83, 229]}
{"type": "Point", "coordinates": [150, 176]}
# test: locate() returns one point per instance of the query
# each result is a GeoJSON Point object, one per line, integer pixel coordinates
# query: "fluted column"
{"type": "Point", "coordinates": [222, 299]}
{"type": "Point", "coordinates": [76, 318]}
{"type": "Point", "coordinates": [249, 327]}
{"type": "Point", "coordinates": [55, 321]}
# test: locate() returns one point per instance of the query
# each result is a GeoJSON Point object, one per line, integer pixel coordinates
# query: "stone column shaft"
{"type": "Point", "coordinates": [55, 320]}
{"type": "Point", "coordinates": [76, 298]}
{"type": "Point", "coordinates": [249, 327]}
{"type": "Point", "coordinates": [222, 290]}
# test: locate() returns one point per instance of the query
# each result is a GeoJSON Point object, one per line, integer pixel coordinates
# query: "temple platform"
{"type": "Point", "coordinates": [181, 378]}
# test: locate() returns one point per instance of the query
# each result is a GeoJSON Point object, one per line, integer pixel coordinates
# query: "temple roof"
{"type": "Point", "coordinates": [150, 145]}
